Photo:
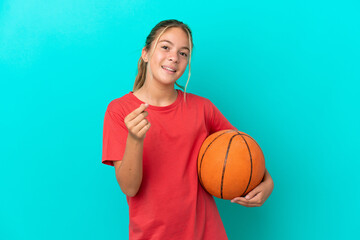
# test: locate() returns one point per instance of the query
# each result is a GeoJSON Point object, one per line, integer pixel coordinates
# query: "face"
{"type": "Point", "coordinates": [170, 57]}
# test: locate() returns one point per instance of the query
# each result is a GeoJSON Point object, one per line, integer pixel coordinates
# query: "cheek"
{"type": "Point", "coordinates": [155, 62]}
{"type": "Point", "coordinates": [183, 66]}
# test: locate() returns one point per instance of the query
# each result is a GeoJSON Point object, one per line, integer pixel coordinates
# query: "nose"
{"type": "Point", "coordinates": [173, 57]}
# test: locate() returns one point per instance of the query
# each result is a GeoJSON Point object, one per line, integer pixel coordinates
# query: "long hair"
{"type": "Point", "coordinates": [155, 35]}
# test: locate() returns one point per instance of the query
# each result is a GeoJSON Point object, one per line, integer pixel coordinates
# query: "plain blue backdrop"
{"type": "Point", "coordinates": [285, 72]}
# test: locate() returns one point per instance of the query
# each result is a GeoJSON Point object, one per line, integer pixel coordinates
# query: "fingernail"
{"type": "Point", "coordinates": [146, 105]}
{"type": "Point", "coordinates": [247, 197]}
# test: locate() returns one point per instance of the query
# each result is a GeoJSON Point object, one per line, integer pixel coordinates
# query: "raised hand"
{"type": "Point", "coordinates": [136, 122]}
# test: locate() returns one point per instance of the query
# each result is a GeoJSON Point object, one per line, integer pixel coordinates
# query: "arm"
{"type": "Point", "coordinates": [128, 171]}
{"type": "Point", "coordinates": [258, 195]}
{"type": "Point", "coordinates": [267, 178]}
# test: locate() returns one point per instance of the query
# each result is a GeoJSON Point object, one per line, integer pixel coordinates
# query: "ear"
{"type": "Point", "coordinates": [144, 54]}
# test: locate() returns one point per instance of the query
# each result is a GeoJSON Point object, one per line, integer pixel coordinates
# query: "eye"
{"type": "Point", "coordinates": [184, 54]}
{"type": "Point", "coordinates": [165, 47]}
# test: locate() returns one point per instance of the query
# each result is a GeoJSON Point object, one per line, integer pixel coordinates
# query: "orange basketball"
{"type": "Point", "coordinates": [230, 164]}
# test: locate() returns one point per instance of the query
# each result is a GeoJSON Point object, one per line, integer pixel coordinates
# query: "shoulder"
{"type": "Point", "coordinates": [200, 105]}
{"type": "Point", "coordinates": [200, 102]}
{"type": "Point", "coordinates": [121, 105]}
{"type": "Point", "coordinates": [196, 99]}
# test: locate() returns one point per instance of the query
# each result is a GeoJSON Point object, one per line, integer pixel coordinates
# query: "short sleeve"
{"type": "Point", "coordinates": [114, 138]}
{"type": "Point", "coordinates": [217, 120]}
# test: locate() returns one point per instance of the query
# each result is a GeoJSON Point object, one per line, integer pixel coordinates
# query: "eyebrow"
{"type": "Point", "coordinates": [173, 44]}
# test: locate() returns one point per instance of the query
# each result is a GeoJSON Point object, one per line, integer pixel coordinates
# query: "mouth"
{"type": "Point", "coordinates": [168, 69]}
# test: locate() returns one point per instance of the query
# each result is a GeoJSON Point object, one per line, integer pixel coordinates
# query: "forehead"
{"type": "Point", "coordinates": [177, 36]}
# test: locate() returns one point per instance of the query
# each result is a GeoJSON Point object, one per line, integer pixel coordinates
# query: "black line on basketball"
{"type": "Point", "coordinates": [251, 164]}
{"type": "Point", "coordinates": [249, 137]}
{"type": "Point", "coordinates": [224, 167]}
{"type": "Point", "coordinates": [202, 157]}
{"type": "Point", "coordinates": [254, 142]}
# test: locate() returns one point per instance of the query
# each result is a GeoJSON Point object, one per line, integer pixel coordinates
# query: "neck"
{"type": "Point", "coordinates": [157, 95]}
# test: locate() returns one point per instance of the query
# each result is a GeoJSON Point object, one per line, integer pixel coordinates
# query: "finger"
{"type": "Point", "coordinates": [240, 200]}
{"type": "Point", "coordinates": [138, 118]}
{"type": "Point", "coordinates": [252, 193]}
{"type": "Point", "coordinates": [144, 130]}
{"type": "Point", "coordinates": [137, 111]}
{"type": "Point", "coordinates": [136, 129]}
{"type": "Point", "coordinates": [256, 200]}
{"type": "Point", "coordinates": [245, 203]}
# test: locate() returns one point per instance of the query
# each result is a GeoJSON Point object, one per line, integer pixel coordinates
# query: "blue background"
{"type": "Point", "coordinates": [285, 72]}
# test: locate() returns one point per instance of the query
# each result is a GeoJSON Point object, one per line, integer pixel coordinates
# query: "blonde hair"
{"type": "Point", "coordinates": [155, 32]}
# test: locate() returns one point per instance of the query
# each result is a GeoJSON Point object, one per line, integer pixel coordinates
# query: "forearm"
{"type": "Point", "coordinates": [267, 178]}
{"type": "Point", "coordinates": [129, 174]}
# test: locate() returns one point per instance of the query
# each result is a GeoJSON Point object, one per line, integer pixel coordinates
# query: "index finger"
{"type": "Point", "coordinates": [137, 111]}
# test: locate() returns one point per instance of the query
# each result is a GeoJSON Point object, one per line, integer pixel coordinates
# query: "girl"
{"type": "Point", "coordinates": [152, 136]}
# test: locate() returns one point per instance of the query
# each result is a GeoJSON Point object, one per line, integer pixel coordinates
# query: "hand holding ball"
{"type": "Point", "coordinates": [230, 164]}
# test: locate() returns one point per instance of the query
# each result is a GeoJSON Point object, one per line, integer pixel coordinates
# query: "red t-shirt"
{"type": "Point", "coordinates": [171, 203]}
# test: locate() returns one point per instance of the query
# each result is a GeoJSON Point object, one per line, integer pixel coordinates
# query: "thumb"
{"type": "Point", "coordinates": [251, 194]}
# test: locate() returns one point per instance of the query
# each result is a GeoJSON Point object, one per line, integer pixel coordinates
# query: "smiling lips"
{"type": "Point", "coordinates": [168, 69]}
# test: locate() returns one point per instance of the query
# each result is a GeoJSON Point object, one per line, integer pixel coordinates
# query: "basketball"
{"type": "Point", "coordinates": [230, 164]}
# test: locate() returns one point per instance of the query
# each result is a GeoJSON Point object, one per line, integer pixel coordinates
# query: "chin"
{"type": "Point", "coordinates": [167, 81]}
